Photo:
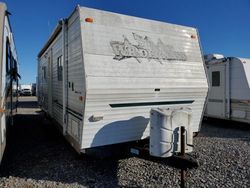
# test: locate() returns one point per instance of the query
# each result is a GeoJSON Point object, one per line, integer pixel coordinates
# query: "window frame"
{"type": "Point", "coordinates": [216, 78]}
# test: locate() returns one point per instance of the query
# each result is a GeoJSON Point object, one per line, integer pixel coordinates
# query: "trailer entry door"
{"type": "Point", "coordinates": [50, 82]}
{"type": "Point", "coordinates": [216, 97]}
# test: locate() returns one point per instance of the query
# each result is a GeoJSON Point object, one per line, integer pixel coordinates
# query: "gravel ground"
{"type": "Point", "coordinates": [38, 156]}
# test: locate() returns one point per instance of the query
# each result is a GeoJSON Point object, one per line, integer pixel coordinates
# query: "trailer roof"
{"type": "Point", "coordinates": [224, 60]}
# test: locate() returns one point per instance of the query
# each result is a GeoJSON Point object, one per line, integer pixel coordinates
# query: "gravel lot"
{"type": "Point", "coordinates": [38, 156]}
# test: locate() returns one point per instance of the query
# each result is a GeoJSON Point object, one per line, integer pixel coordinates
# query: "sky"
{"type": "Point", "coordinates": [223, 25]}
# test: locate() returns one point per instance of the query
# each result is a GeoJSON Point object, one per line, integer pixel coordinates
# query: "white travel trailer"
{"type": "Point", "coordinates": [8, 75]}
{"type": "Point", "coordinates": [229, 94]}
{"type": "Point", "coordinates": [100, 73]}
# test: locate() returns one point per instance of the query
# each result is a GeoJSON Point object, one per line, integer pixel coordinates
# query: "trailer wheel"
{"type": "Point", "coordinates": [195, 134]}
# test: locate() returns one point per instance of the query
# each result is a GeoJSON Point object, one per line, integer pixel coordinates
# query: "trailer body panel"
{"type": "Point", "coordinates": [233, 100]}
{"type": "Point", "coordinates": [8, 76]}
{"type": "Point", "coordinates": [118, 67]}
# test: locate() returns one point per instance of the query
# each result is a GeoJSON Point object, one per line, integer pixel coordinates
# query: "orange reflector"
{"type": "Point", "coordinates": [90, 20]}
{"type": "Point", "coordinates": [2, 110]}
{"type": "Point", "coordinates": [193, 36]}
{"type": "Point", "coordinates": [81, 98]}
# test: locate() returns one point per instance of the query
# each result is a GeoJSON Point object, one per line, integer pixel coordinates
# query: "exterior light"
{"type": "Point", "coordinates": [90, 20]}
{"type": "Point", "coordinates": [193, 37]}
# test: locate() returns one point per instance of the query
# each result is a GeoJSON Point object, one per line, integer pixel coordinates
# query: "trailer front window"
{"type": "Point", "coordinates": [216, 78]}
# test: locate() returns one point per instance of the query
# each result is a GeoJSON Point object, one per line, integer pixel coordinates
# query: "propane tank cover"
{"type": "Point", "coordinates": [165, 130]}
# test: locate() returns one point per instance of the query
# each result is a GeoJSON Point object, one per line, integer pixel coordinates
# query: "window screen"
{"type": "Point", "coordinates": [59, 68]}
{"type": "Point", "coordinates": [216, 78]}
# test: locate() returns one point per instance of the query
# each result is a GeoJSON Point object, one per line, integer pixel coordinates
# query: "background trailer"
{"type": "Point", "coordinates": [8, 76]}
{"type": "Point", "coordinates": [229, 95]}
{"type": "Point", "coordinates": [100, 73]}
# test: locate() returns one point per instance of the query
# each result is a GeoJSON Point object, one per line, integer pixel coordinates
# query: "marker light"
{"type": "Point", "coordinates": [90, 20]}
{"type": "Point", "coordinates": [193, 36]}
{"type": "Point", "coordinates": [81, 98]}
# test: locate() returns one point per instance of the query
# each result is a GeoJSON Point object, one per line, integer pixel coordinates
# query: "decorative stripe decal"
{"type": "Point", "coordinates": [70, 111]}
{"type": "Point", "coordinates": [123, 105]}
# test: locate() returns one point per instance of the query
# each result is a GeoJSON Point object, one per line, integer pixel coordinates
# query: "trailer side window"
{"type": "Point", "coordinates": [59, 68]}
{"type": "Point", "coordinates": [14, 67]}
{"type": "Point", "coordinates": [8, 56]}
{"type": "Point", "coordinates": [216, 78]}
{"type": "Point", "coordinates": [44, 73]}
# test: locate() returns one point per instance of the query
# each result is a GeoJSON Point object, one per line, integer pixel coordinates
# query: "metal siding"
{"type": "Point", "coordinates": [5, 85]}
{"type": "Point", "coordinates": [2, 18]}
{"type": "Point", "coordinates": [74, 75]}
{"type": "Point", "coordinates": [75, 67]}
{"type": "Point", "coordinates": [239, 89]}
{"type": "Point", "coordinates": [57, 85]}
{"type": "Point", "coordinates": [99, 37]}
{"type": "Point", "coordinates": [239, 106]}
{"type": "Point", "coordinates": [240, 78]}
{"type": "Point", "coordinates": [43, 85]}
{"type": "Point", "coordinates": [111, 81]}
{"type": "Point", "coordinates": [2, 62]}
{"type": "Point", "coordinates": [134, 23]}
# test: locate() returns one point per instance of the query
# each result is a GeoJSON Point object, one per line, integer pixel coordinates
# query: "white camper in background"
{"type": "Point", "coordinates": [8, 75]}
{"type": "Point", "coordinates": [229, 94]}
{"type": "Point", "coordinates": [100, 73]}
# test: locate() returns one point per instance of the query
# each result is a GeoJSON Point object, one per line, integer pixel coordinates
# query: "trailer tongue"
{"type": "Point", "coordinates": [171, 137]}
